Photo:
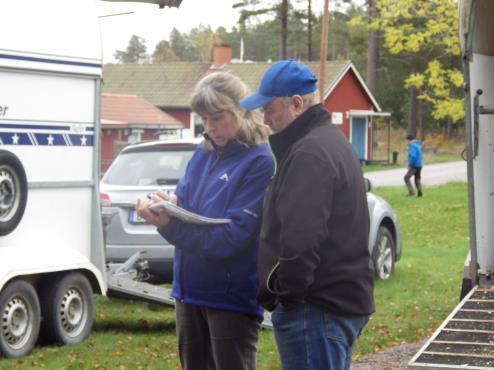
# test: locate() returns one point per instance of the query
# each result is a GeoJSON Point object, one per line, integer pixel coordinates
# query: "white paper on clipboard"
{"type": "Point", "coordinates": [182, 214]}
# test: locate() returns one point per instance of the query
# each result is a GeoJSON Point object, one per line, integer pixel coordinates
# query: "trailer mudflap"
{"type": "Point", "coordinates": [465, 340]}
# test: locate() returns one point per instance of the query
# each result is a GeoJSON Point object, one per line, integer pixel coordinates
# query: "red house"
{"type": "Point", "coordinates": [126, 119]}
{"type": "Point", "coordinates": [169, 86]}
{"type": "Point", "coordinates": [352, 108]}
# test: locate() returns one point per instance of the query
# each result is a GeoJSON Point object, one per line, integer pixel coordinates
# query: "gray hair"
{"type": "Point", "coordinates": [309, 99]}
{"type": "Point", "coordinates": [222, 91]}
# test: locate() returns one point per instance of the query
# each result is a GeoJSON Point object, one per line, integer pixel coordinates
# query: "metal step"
{"type": "Point", "coordinates": [465, 340]}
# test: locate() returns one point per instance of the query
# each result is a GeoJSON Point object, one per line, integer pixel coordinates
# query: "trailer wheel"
{"type": "Point", "coordinates": [67, 309]}
{"type": "Point", "coordinates": [13, 192]}
{"type": "Point", "coordinates": [383, 253]}
{"type": "Point", "coordinates": [19, 318]}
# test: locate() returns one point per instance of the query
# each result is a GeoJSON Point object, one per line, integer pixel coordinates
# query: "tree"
{"type": "Point", "coordinates": [372, 48]}
{"type": "Point", "coordinates": [281, 8]}
{"type": "Point", "coordinates": [163, 53]}
{"type": "Point", "coordinates": [427, 29]}
{"type": "Point", "coordinates": [182, 46]}
{"type": "Point", "coordinates": [135, 53]}
{"type": "Point", "coordinates": [310, 18]}
{"type": "Point", "coordinates": [204, 39]}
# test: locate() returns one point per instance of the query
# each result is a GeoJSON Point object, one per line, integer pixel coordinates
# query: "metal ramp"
{"type": "Point", "coordinates": [125, 287]}
{"type": "Point", "coordinates": [122, 284]}
{"type": "Point", "coordinates": [465, 340]}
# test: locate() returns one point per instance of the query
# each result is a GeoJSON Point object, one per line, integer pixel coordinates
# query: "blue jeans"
{"type": "Point", "coordinates": [310, 337]}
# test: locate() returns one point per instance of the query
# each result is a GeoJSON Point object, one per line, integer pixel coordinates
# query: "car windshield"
{"type": "Point", "coordinates": [148, 168]}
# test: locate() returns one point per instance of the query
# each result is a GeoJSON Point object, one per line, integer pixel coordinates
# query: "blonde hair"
{"type": "Point", "coordinates": [222, 91]}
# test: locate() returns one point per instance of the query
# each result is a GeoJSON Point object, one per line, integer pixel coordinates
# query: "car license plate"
{"type": "Point", "coordinates": [134, 218]}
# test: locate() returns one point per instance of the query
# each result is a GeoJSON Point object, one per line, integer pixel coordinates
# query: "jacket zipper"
{"type": "Point", "coordinates": [270, 276]}
{"type": "Point", "coordinates": [228, 278]}
{"type": "Point", "coordinates": [206, 180]}
{"type": "Point", "coordinates": [201, 195]}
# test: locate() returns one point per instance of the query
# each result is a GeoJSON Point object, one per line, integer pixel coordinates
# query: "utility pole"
{"type": "Point", "coordinates": [324, 48]}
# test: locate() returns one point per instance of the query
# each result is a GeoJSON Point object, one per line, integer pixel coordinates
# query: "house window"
{"type": "Point", "coordinates": [168, 135]}
{"type": "Point", "coordinates": [135, 136]}
{"type": "Point", "coordinates": [337, 118]}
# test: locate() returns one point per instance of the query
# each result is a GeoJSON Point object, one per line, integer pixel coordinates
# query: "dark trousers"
{"type": "Point", "coordinates": [413, 171]}
{"type": "Point", "coordinates": [210, 339]}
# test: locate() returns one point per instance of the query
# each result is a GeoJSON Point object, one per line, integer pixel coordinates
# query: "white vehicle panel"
{"type": "Point", "coordinates": [47, 98]}
{"type": "Point", "coordinates": [31, 260]}
{"type": "Point", "coordinates": [60, 163]}
{"type": "Point", "coordinates": [54, 218]}
{"type": "Point", "coordinates": [481, 77]}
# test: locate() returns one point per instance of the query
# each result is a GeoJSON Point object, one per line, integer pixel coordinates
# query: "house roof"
{"type": "Point", "coordinates": [131, 110]}
{"type": "Point", "coordinates": [165, 85]}
{"type": "Point", "coordinates": [171, 84]}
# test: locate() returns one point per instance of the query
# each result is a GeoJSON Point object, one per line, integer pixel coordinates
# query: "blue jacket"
{"type": "Point", "coordinates": [415, 154]}
{"type": "Point", "coordinates": [216, 266]}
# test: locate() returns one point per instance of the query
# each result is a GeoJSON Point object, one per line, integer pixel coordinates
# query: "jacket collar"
{"type": "Point", "coordinates": [303, 124]}
{"type": "Point", "coordinates": [232, 147]}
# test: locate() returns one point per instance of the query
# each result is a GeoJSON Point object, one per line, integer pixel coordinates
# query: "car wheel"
{"type": "Point", "coordinates": [13, 192]}
{"type": "Point", "coordinates": [67, 307]}
{"type": "Point", "coordinates": [19, 318]}
{"type": "Point", "coordinates": [383, 254]}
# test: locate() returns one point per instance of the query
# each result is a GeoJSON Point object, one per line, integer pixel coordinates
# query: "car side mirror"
{"type": "Point", "coordinates": [368, 184]}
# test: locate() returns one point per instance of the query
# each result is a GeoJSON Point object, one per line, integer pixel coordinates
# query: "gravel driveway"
{"type": "Point", "coordinates": [393, 358]}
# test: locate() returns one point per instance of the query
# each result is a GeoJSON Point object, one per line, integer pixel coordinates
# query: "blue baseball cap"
{"type": "Point", "coordinates": [283, 78]}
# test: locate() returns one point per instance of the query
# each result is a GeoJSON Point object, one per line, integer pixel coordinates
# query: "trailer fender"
{"type": "Point", "coordinates": [13, 192]}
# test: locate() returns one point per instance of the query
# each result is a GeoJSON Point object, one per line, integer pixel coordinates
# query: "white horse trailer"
{"type": "Point", "coordinates": [465, 339]}
{"type": "Point", "coordinates": [51, 237]}
{"type": "Point", "coordinates": [51, 243]}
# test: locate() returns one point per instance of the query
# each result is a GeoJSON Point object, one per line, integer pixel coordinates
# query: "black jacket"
{"type": "Point", "coordinates": [314, 237]}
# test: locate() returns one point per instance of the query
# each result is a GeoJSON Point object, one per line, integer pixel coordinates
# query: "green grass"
{"type": "Point", "coordinates": [410, 305]}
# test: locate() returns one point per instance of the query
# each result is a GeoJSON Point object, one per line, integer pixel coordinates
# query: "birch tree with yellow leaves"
{"type": "Point", "coordinates": [426, 32]}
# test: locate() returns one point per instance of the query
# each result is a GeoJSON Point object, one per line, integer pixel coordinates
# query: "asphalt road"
{"type": "Point", "coordinates": [432, 174]}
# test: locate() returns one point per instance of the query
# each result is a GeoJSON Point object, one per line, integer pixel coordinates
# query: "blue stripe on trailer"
{"type": "Point", "coordinates": [33, 127]}
{"type": "Point", "coordinates": [50, 61]}
{"type": "Point", "coordinates": [46, 139]}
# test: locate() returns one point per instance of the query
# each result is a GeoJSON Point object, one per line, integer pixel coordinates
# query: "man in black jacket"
{"type": "Point", "coordinates": [314, 265]}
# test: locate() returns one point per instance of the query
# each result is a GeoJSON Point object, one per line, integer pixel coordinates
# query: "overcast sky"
{"type": "Point", "coordinates": [154, 24]}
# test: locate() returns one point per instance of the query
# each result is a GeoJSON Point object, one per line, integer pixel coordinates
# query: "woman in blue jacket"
{"type": "Point", "coordinates": [215, 277]}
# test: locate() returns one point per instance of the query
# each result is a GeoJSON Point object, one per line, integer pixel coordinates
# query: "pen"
{"type": "Point", "coordinates": [151, 195]}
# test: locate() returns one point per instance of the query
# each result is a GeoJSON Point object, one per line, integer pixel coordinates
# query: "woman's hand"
{"type": "Point", "coordinates": [166, 196]}
{"type": "Point", "coordinates": [159, 219]}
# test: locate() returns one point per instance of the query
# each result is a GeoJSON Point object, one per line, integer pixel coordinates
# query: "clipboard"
{"type": "Point", "coordinates": [190, 217]}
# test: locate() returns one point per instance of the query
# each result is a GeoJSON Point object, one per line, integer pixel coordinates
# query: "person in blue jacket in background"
{"type": "Point", "coordinates": [215, 278]}
{"type": "Point", "coordinates": [414, 165]}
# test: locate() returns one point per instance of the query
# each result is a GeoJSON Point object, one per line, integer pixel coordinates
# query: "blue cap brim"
{"type": "Point", "coordinates": [255, 101]}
